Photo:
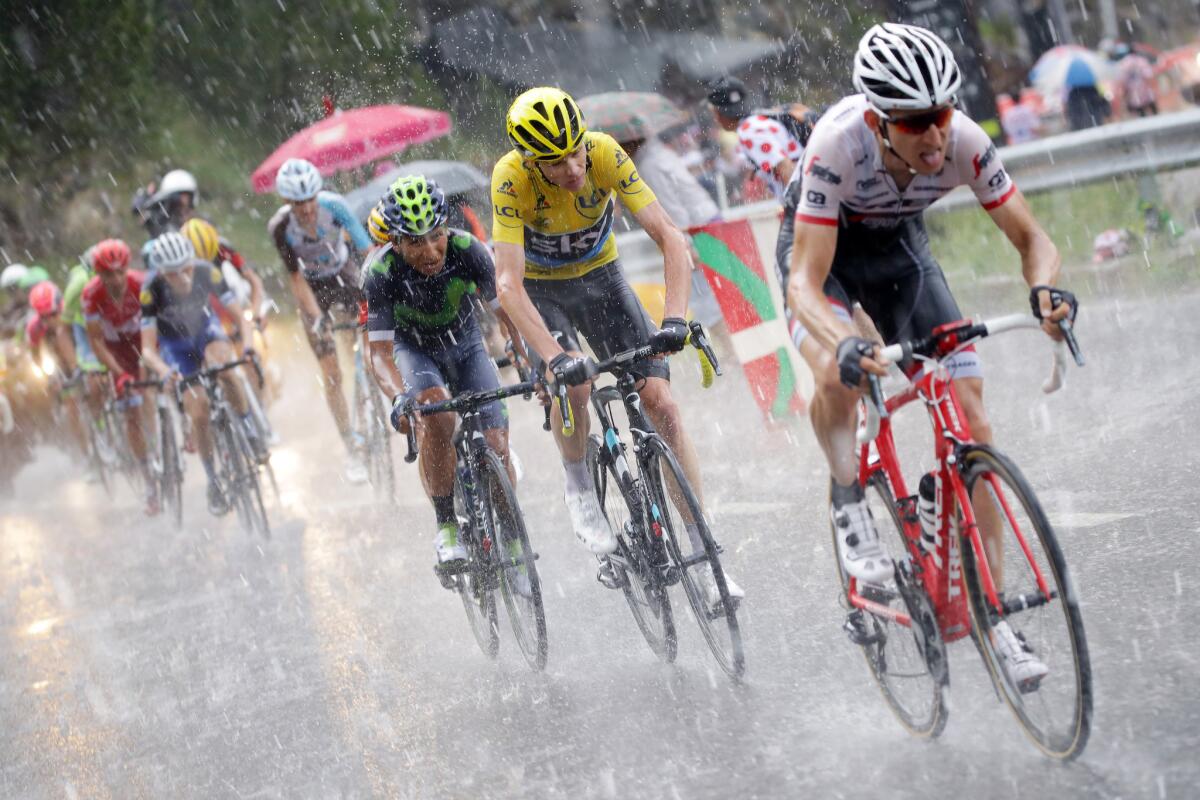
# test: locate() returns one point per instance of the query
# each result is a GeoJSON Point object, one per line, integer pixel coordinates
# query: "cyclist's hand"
{"type": "Point", "coordinates": [249, 352]}
{"type": "Point", "coordinates": [856, 358]}
{"type": "Point", "coordinates": [570, 370]}
{"type": "Point", "coordinates": [402, 406]}
{"type": "Point", "coordinates": [260, 322]}
{"type": "Point", "coordinates": [122, 383]}
{"type": "Point", "coordinates": [672, 336]}
{"type": "Point", "coordinates": [1052, 305]}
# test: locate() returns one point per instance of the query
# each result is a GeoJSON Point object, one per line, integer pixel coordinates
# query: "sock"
{"type": "Point", "coordinates": [578, 478]}
{"type": "Point", "coordinates": [841, 495]}
{"type": "Point", "coordinates": [443, 510]}
{"type": "Point", "coordinates": [209, 469]}
{"type": "Point", "coordinates": [693, 532]}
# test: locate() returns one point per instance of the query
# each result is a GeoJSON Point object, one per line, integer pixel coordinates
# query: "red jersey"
{"type": "Point", "coordinates": [117, 318]}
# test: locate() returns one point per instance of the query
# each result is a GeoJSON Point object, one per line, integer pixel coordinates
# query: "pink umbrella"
{"type": "Point", "coordinates": [349, 139]}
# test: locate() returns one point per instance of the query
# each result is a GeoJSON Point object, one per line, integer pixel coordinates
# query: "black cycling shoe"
{"type": "Point", "coordinates": [218, 504]}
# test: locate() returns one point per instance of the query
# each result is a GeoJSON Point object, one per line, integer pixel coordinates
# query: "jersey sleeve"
{"type": "Point", "coordinates": [826, 169]}
{"type": "Point", "coordinates": [381, 321]}
{"type": "Point", "coordinates": [217, 283]}
{"type": "Point", "coordinates": [510, 188]}
{"type": "Point", "coordinates": [149, 301]}
{"type": "Point", "coordinates": [982, 169]}
{"type": "Point", "coordinates": [348, 222]}
{"type": "Point", "coordinates": [478, 262]}
{"type": "Point", "coordinates": [614, 169]}
{"type": "Point", "coordinates": [277, 228]}
{"type": "Point", "coordinates": [88, 301]}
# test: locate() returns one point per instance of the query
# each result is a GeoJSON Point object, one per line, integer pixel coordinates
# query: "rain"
{"type": "Point", "coordinates": [236, 582]}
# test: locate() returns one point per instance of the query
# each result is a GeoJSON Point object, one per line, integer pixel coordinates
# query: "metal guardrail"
{"type": "Point", "coordinates": [1153, 144]}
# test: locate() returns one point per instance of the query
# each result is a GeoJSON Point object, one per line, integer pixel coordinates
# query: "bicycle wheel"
{"type": "Point", "coordinates": [477, 584]}
{"type": "Point", "coordinates": [633, 566]}
{"type": "Point", "coordinates": [907, 662]}
{"type": "Point", "coordinates": [251, 510]}
{"type": "Point", "coordinates": [519, 583]}
{"type": "Point", "coordinates": [676, 501]}
{"type": "Point", "coordinates": [379, 447]}
{"type": "Point", "coordinates": [171, 475]}
{"type": "Point", "coordinates": [1056, 711]}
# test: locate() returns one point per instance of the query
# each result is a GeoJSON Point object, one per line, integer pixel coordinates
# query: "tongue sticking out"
{"type": "Point", "coordinates": [931, 159]}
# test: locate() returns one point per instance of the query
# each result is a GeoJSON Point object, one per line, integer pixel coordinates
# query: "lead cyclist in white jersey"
{"type": "Point", "coordinates": [874, 163]}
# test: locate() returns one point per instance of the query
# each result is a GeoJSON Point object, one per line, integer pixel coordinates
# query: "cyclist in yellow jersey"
{"type": "Point", "coordinates": [553, 203]}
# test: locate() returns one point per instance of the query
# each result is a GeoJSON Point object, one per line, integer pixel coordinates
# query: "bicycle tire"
{"type": "Point", "coordinates": [506, 525]}
{"type": "Point", "coordinates": [381, 468]}
{"type": "Point", "coordinates": [1067, 678]}
{"type": "Point", "coordinates": [720, 627]}
{"type": "Point", "coordinates": [476, 586]}
{"type": "Point", "coordinates": [642, 585]}
{"type": "Point", "coordinates": [250, 487]}
{"type": "Point", "coordinates": [171, 480]}
{"type": "Point", "coordinates": [94, 456]}
{"type": "Point", "coordinates": [926, 640]}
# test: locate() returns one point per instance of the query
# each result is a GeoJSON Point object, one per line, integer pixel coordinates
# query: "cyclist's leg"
{"type": "Point", "coordinates": [93, 371]}
{"type": "Point", "coordinates": [425, 382]}
{"type": "Point", "coordinates": [186, 356]}
{"type": "Point", "coordinates": [324, 347]}
{"type": "Point", "coordinates": [472, 370]}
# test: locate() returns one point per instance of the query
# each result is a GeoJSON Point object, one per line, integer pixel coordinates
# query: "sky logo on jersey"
{"type": "Point", "coordinates": [981, 161]}
{"type": "Point", "coordinates": [817, 171]}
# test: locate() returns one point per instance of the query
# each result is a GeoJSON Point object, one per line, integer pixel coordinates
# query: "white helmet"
{"type": "Point", "coordinates": [297, 180]}
{"type": "Point", "coordinates": [177, 181]}
{"type": "Point", "coordinates": [12, 275]}
{"type": "Point", "coordinates": [171, 252]}
{"type": "Point", "coordinates": [905, 67]}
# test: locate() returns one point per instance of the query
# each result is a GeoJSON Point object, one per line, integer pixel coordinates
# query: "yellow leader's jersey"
{"type": "Point", "coordinates": [565, 234]}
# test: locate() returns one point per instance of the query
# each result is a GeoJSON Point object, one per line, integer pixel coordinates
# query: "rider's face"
{"type": "Point", "coordinates": [181, 281]}
{"type": "Point", "coordinates": [305, 211]}
{"type": "Point", "coordinates": [426, 254]}
{"type": "Point", "coordinates": [114, 281]}
{"type": "Point", "coordinates": [919, 137]}
{"type": "Point", "coordinates": [569, 172]}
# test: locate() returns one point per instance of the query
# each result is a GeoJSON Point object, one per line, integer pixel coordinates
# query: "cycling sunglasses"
{"type": "Point", "coordinates": [917, 124]}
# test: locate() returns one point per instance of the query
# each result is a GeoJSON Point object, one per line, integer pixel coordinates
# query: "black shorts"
{"type": "Point", "coordinates": [602, 306]}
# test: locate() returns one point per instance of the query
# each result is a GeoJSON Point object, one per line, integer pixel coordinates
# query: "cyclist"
{"type": "Point", "coordinates": [165, 206]}
{"type": "Point", "coordinates": [241, 277]}
{"type": "Point", "coordinates": [181, 334]}
{"type": "Point", "coordinates": [425, 341]}
{"type": "Point", "coordinates": [320, 242]}
{"type": "Point", "coordinates": [14, 303]}
{"type": "Point", "coordinates": [112, 310]}
{"type": "Point", "coordinates": [557, 270]}
{"type": "Point", "coordinates": [46, 323]}
{"type": "Point", "coordinates": [90, 367]}
{"type": "Point", "coordinates": [875, 162]}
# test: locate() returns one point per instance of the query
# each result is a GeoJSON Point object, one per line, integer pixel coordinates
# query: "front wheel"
{"type": "Point", "coordinates": [519, 583]}
{"type": "Point", "coordinates": [1053, 703]}
{"type": "Point", "coordinates": [476, 586]}
{"type": "Point", "coordinates": [171, 475]}
{"type": "Point", "coordinates": [675, 505]}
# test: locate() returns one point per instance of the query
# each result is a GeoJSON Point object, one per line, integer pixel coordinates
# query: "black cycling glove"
{"type": "Point", "coordinates": [402, 405]}
{"type": "Point", "coordinates": [1057, 298]}
{"type": "Point", "coordinates": [672, 336]}
{"type": "Point", "coordinates": [849, 353]}
{"type": "Point", "coordinates": [571, 370]}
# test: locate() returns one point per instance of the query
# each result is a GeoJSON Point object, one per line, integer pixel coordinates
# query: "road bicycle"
{"type": "Point", "coordinates": [492, 529]}
{"type": "Point", "coordinates": [238, 462]}
{"type": "Point", "coordinates": [960, 582]}
{"type": "Point", "coordinates": [162, 449]}
{"type": "Point", "coordinates": [649, 502]}
{"type": "Point", "coordinates": [369, 423]}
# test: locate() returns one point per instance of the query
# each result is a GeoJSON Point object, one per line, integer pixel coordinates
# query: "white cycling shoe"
{"type": "Point", "coordinates": [859, 548]}
{"type": "Point", "coordinates": [588, 522]}
{"type": "Point", "coordinates": [1020, 665]}
{"type": "Point", "coordinates": [355, 470]}
{"type": "Point", "coordinates": [448, 546]}
{"type": "Point", "coordinates": [713, 595]}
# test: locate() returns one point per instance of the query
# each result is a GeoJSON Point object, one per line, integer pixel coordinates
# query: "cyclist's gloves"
{"type": "Point", "coordinates": [402, 406]}
{"type": "Point", "coordinates": [122, 383]}
{"type": "Point", "coordinates": [849, 353]}
{"type": "Point", "coordinates": [571, 370]}
{"type": "Point", "coordinates": [1057, 298]}
{"type": "Point", "coordinates": [672, 336]}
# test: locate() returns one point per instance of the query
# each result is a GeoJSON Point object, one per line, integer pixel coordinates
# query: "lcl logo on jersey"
{"type": "Point", "coordinates": [587, 204]}
{"type": "Point", "coordinates": [508, 211]}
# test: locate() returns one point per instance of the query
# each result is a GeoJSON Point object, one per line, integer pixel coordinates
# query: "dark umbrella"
{"type": "Point", "coordinates": [454, 177]}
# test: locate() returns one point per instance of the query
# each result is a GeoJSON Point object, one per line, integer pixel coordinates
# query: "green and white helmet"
{"type": "Point", "coordinates": [414, 205]}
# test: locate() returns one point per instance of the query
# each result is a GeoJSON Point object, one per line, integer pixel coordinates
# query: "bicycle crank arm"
{"type": "Point", "coordinates": [1025, 602]}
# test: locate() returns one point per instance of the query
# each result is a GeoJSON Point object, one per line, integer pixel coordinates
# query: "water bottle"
{"type": "Point", "coordinates": [927, 512]}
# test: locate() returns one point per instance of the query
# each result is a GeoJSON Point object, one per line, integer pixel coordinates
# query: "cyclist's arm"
{"type": "Point", "coordinates": [677, 258]}
{"type": "Point", "coordinates": [100, 347]}
{"type": "Point", "coordinates": [383, 367]}
{"type": "Point", "coordinates": [512, 333]}
{"type": "Point", "coordinates": [305, 299]}
{"type": "Point", "coordinates": [1040, 261]}
{"type": "Point", "coordinates": [150, 349]}
{"type": "Point", "coordinates": [64, 346]}
{"type": "Point", "coordinates": [510, 289]}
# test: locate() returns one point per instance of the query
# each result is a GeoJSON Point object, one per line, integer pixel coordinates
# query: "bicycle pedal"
{"type": "Point", "coordinates": [607, 576]}
{"type": "Point", "coordinates": [855, 627]}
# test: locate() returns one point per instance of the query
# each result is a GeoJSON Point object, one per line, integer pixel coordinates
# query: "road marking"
{"type": "Point", "coordinates": [1085, 519]}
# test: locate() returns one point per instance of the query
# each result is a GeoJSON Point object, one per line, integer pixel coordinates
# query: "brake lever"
{"type": "Point", "coordinates": [877, 395]}
{"type": "Point", "coordinates": [1068, 331]}
{"type": "Point", "coordinates": [410, 437]}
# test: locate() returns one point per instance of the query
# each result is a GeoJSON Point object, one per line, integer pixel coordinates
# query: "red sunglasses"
{"type": "Point", "coordinates": [917, 124]}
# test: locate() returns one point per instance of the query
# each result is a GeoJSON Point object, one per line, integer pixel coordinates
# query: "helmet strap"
{"type": "Point", "coordinates": [888, 144]}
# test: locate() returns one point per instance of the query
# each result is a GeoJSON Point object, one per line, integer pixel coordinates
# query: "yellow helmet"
{"type": "Point", "coordinates": [377, 226]}
{"type": "Point", "coordinates": [203, 237]}
{"type": "Point", "coordinates": [545, 124]}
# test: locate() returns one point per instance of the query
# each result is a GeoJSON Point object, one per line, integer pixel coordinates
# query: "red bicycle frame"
{"type": "Point", "coordinates": [939, 571]}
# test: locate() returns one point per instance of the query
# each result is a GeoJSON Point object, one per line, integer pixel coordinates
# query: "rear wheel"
{"type": "Point", "coordinates": [633, 564]}
{"type": "Point", "coordinates": [519, 583]}
{"type": "Point", "coordinates": [251, 510]}
{"type": "Point", "coordinates": [700, 573]}
{"type": "Point", "coordinates": [1056, 710]}
{"type": "Point", "coordinates": [380, 467]}
{"type": "Point", "coordinates": [908, 662]}
{"type": "Point", "coordinates": [171, 467]}
{"type": "Point", "coordinates": [476, 586]}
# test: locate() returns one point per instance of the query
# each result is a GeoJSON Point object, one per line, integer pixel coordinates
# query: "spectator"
{"type": "Point", "coordinates": [1135, 81]}
{"type": "Point", "coordinates": [1020, 121]}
